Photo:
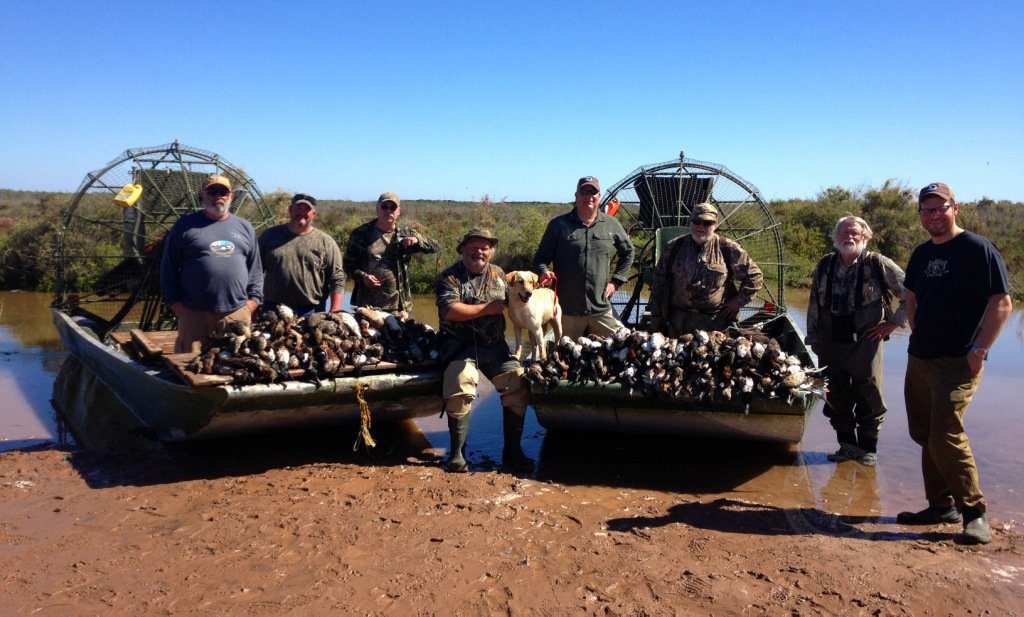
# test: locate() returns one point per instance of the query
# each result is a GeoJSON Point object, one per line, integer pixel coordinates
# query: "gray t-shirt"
{"type": "Point", "coordinates": [300, 270]}
{"type": "Point", "coordinates": [211, 265]}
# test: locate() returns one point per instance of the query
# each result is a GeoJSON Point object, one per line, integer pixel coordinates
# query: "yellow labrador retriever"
{"type": "Point", "coordinates": [532, 308]}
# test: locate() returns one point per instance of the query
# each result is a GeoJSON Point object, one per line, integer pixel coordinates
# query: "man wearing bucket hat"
{"type": "Point", "coordinates": [302, 265]}
{"type": "Point", "coordinates": [580, 245]}
{"type": "Point", "coordinates": [958, 299]}
{"type": "Point", "coordinates": [210, 273]}
{"type": "Point", "coordinates": [471, 300]}
{"type": "Point", "coordinates": [377, 258]}
{"type": "Point", "coordinates": [702, 280]}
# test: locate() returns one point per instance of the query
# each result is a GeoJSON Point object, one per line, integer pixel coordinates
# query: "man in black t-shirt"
{"type": "Point", "coordinates": [957, 299]}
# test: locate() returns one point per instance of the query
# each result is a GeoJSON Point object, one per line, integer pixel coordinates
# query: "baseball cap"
{"type": "Point", "coordinates": [213, 179]}
{"type": "Point", "coordinates": [704, 212]}
{"type": "Point", "coordinates": [302, 198]}
{"type": "Point", "coordinates": [936, 188]}
{"type": "Point", "coordinates": [389, 196]}
{"type": "Point", "coordinates": [588, 181]}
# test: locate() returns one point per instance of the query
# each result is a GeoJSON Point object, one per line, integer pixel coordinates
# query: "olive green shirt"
{"type": "Point", "coordinates": [300, 269]}
{"type": "Point", "coordinates": [581, 258]}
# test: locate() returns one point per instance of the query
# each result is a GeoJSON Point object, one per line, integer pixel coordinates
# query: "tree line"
{"type": "Point", "coordinates": [30, 223]}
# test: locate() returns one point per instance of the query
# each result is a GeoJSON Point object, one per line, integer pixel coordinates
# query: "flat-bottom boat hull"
{"type": "Point", "coordinates": [176, 412]}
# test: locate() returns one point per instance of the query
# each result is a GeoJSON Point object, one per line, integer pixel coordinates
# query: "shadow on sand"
{"type": "Point", "coordinates": [733, 516]}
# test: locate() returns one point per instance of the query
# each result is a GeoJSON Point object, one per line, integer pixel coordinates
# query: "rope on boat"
{"type": "Point", "coordinates": [363, 437]}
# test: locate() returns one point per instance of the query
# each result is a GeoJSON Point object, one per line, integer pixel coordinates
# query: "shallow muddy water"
{"type": "Point", "coordinates": [607, 467]}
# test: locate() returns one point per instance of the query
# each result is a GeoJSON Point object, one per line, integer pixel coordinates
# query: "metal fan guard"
{"type": "Point", "coordinates": [663, 195]}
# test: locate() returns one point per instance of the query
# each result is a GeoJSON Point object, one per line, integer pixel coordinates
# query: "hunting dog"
{"type": "Point", "coordinates": [532, 308]}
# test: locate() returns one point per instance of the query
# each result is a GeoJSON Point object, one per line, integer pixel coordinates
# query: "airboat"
{"type": "Point", "coordinates": [653, 203]}
{"type": "Point", "coordinates": [110, 316]}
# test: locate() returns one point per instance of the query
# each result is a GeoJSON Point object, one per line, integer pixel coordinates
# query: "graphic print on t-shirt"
{"type": "Point", "coordinates": [936, 268]}
{"type": "Point", "coordinates": [224, 248]}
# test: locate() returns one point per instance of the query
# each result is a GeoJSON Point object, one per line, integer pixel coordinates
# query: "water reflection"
{"type": "Point", "coordinates": [801, 478]}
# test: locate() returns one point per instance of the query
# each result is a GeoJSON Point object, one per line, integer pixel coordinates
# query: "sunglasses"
{"type": "Point", "coordinates": [701, 223]}
{"type": "Point", "coordinates": [390, 207]}
{"type": "Point", "coordinates": [217, 191]}
{"type": "Point", "coordinates": [589, 191]}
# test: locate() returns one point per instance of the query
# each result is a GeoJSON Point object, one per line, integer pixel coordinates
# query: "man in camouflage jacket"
{"type": "Point", "coordinates": [702, 279]}
{"type": "Point", "coordinates": [377, 258]}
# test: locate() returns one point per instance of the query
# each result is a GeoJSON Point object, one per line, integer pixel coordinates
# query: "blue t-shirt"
{"type": "Point", "coordinates": [952, 282]}
{"type": "Point", "coordinates": [211, 265]}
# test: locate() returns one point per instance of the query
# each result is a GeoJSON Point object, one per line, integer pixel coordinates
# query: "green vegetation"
{"type": "Point", "coordinates": [30, 224]}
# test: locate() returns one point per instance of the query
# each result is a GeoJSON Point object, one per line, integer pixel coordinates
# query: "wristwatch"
{"type": "Point", "coordinates": [979, 351]}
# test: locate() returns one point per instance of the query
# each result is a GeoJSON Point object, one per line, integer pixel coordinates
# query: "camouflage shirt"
{"type": "Point", "coordinates": [458, 284]}
{"type": "Point", "coordinates": [699, 277]}
{"type": "Point", "coordinates": [390, 266]}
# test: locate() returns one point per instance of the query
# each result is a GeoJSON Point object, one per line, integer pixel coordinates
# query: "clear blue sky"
{"type": "Point", "coordinates": [457, 99]}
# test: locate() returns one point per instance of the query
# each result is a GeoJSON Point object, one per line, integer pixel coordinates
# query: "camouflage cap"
{"type": "Point", "coordinates": [476, 232]}
{"type": "Point", "coordinates": [389, 196]}
{"type": "Point", "coordinates": [940, 189]}
{"type": "Point", "coordinates": [213, 179]}
{"type": "Point", "coordinates": [703, 212]}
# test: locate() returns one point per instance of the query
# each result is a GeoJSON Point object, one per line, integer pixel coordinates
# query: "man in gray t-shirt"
{"type": "Point", "coordinates": [302, 265]}
{"type": "Point", "coordinates": [210, 273]}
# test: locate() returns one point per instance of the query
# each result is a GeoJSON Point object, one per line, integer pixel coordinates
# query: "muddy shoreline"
{"type": "Point", "coordinates": [303, 523]}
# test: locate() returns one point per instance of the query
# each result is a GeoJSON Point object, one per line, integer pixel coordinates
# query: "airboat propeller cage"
{"type": "Point", "coordinates": [110, 242]}
{"type": "Point", "coordinates": [654, 204]}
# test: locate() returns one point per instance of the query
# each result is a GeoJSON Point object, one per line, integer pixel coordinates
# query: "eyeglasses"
{"type": "Point", "coordinates": [589, 191]}
{"type": "Point", "coordinates": [217, 191]}
{"type": "Point", "coordinates": [390, 207]}
{"type": "Point", "coordinates": [701, 223]}
{"type": "Point", "coordinates": [933, 211]}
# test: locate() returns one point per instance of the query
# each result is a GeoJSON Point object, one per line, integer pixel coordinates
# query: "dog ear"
{"type": "Point", "coordinates": [535, 278]}
{"type": "Point", "coordinates": [510, 278]}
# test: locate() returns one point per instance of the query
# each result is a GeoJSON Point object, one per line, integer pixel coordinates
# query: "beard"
{"type": "Point", "coordinates": [217, 210]}
{"type": "Point", "coordinates": [851, 248]}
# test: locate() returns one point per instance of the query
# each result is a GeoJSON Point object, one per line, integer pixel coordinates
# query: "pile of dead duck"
{"type": "Point", "coordinates": [279, 345]}
{"type": "Point", "coordinates": [703, 366]}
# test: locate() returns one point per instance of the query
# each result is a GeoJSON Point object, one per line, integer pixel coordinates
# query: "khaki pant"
{"type": "Point", "coordinates": [462, 378]}
{"type": "Point", "coordinates": [602, 324]}
{"type": "Point", "coordinates": [198, 326]}
{"type": "Point", "coordinates": [938, 392]}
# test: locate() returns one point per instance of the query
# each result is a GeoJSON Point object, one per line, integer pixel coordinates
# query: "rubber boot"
{"type": "Point", "coordinates": [512, 455]}
{"type": "Point", "coordinates": [458, 430]}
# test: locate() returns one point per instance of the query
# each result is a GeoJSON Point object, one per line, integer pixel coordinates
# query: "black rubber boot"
{"type": "Point", "coordinates": [458, 430]}
{"type": "Point", "coordinates": [512, 455]}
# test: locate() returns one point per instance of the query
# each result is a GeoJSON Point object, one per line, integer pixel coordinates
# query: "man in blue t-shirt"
{"type": "Point", "coordinates": [211, 274]}
{"type": "Point", "coordinates": [957, 300]}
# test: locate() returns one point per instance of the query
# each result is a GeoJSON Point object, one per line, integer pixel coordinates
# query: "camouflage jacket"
{"type": "Point", "coordinates": [704, 277]}
{"type": "Point", "coordinates": [395, 292]}
{"type": "Point", "coordinates": [879, 281]}
{"type": "Point", "coordinates": [458, 284]}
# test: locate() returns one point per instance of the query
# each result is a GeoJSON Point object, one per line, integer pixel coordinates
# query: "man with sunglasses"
{"type": "Point", "coordinates": [580, 245]}
{"type": "Point", "coordinates": [377, 258]}
{"type": "Point", "coordinates": [302, 264]}
{"type": "Point", "coordinates": [210, 273]}
{"type": "Point", "coordinates": [702, 280]}
{"type": "Point", "coordinates": [958, 299]}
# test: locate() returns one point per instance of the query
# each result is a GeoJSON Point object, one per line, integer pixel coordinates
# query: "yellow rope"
{"type": "Point", "coordinates": [365, 421]}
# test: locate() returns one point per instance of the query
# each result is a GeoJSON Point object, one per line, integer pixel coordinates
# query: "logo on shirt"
{"type": "Point", "coordinates": [936, 268]}
{"type": "Point", "coordinates": [224, 248]}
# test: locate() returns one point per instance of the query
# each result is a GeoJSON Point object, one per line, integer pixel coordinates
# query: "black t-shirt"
{"type": "Point", "coordinates": [952, 282]}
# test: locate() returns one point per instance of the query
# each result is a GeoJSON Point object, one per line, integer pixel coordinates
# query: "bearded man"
{"type": "Point", "coordinates": [702, 280]}
{"type": "Point", "coordinates": [849, 314]}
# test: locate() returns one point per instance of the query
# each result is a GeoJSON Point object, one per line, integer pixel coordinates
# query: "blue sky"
{"type": "Point", "coordinates": [456, 100]}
